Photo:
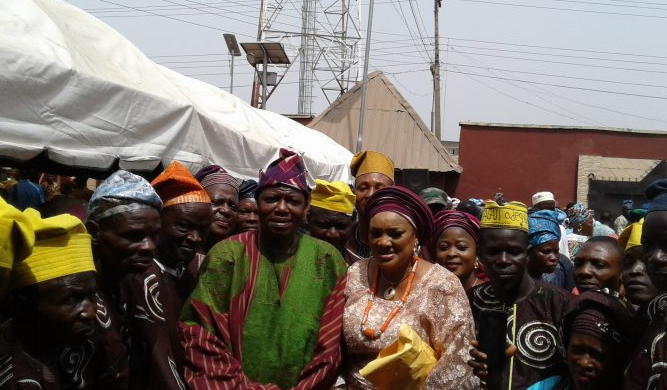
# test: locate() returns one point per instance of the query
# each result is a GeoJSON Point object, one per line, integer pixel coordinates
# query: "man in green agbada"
{"type": "Point", "coordinates": [268, 310]}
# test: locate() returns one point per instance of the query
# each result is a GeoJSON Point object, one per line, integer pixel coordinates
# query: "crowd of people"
{"type": "Point", "coordinates": [207, 282]}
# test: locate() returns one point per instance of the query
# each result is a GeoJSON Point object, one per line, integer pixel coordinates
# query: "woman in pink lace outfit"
{"type": "Point", "coordinates": [434, 302]}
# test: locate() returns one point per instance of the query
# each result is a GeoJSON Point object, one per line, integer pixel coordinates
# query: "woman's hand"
{"type": "Point", "coordinates": [478, 361]}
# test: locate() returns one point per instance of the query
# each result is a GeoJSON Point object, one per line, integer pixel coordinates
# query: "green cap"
{"type": "Point", "coordinates": [434, 195]}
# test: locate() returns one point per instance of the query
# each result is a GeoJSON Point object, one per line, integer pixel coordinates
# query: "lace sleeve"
{"type": "Point", "coordinates": [452, 328]}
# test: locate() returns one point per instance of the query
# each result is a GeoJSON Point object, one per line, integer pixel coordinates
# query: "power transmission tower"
{"type": "Point", "coordinates": [326, 43]}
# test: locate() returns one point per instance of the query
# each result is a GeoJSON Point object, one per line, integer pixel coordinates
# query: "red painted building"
{"type": "Point", "coordinates": [520, 160]}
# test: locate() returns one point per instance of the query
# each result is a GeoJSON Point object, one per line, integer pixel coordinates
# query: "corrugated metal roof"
{"type": "Point", "coordinates": [391, 126]}
{"type": "Point", "coordinates": [559, 127]}
{"type": "Point", "coordinates": [621, 169]}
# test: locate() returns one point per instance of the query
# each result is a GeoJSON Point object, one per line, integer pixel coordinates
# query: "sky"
{"type": "Point", "coordinates": [596, 63]}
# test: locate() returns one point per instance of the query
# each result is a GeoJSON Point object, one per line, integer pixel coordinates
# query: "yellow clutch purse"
{"type": "Point", "coordinates": [403, 365]}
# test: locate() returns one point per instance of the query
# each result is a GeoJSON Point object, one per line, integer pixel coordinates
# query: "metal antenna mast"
{"type": "Point", "coordinates": [326, 44]}
{"type": "Point", "coordinates": [307, 68]}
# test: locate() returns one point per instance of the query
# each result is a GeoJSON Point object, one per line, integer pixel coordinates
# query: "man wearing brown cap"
{"type": "Point", "coordinates": [372, 171]}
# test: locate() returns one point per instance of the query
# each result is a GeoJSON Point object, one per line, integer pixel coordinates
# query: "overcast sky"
{"type": "Point", "coordinates": [548, 62]}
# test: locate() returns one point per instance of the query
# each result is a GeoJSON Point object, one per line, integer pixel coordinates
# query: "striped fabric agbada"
{"type": "Point", "coordinates": [254, 324]}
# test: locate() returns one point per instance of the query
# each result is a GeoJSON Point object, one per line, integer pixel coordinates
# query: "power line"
{"type": "Point", "coordinates": [208, 12]}
{"type": "Point", "coordinates": [563, 9]}
{"type": "Point", "coordinates": [401, 14]}
{"type": "Point", "coordinates": [419, 20]}
{"type": "Point", "coordinates": [560, 76]}
{"type": "Point", "coordinates": [610, 5]}
{"type": "Point", "coordinates": [563, 62]}
{"type": "Point", "coordinates": [515, 98]}
{"type": "Point", "coordinates": [164, 16]}
{"type": "Point", "coordinates": [563, 55]}
{"type": "Point", "coordinates": [535, 91]}
{"type": "Point", "coordinates": [564, 86]}
{"type": "Point", "coordinates": [571, 100]}
{"type": "Point", "coordinates": [556, 48]}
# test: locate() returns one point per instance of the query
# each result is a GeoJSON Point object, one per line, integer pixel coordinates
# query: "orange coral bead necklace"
{"type": "Point", "coordinates": [372, 333]}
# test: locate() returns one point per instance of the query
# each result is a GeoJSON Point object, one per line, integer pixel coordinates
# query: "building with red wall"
{"type": "Point", "coordinates": [520, 160]}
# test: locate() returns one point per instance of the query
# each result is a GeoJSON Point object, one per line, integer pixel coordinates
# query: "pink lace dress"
{"type": "Point", "coordinates": [437, 309]}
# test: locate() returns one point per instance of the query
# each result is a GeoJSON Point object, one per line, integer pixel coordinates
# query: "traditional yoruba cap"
{"type": "Point", "coordinates": [511, 215]}
{"type": "Point", "coordinates": [335, 196]}
{"type": "Point", "coordinates": [449, 218]}
{"type": "Point", "coordinates": [16, 235]}
{"type": "Point", "coordinates": [285, 170]}
{"type": "Point", "coordinates": [631, 236]}
{"type": "Point", "coordinates": [543, 197]}
{"type": "Point", "coordinates": [577, 215]}
{"type": "Point", "coordinates": [372, 162]}
{"type": "Point", "coordinates": [543, 227]}
{"type": "Point", "coordinates": [62, 247]}
{"type": "Point", "coordinates": [215, 174]}
{"type": "Point", "coordinates": [404, 202]}
{"type": "Point", "coordinates": [247, 189]}
{"type": "Point", "coordinates": [603, 316]}
{"type": "Point", "coordinates": [432, 195]}
{"type": "Point", "coordinates": [656, 193]}
{"type": "Point", "coordinates": [176, 185]}
{"type": "Point", "coordinates": [122, 192]}
{"type": "Point", "coordinates": [628, 203]}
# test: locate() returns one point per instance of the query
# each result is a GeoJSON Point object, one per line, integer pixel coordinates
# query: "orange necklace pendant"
{"type": "Point", "coordinates": [389, 293]}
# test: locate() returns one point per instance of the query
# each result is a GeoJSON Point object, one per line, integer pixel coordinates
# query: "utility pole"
{"type": "Point", "coordinates": [435, 71]}
{"type": "Point", "coordinates": [254, 100]}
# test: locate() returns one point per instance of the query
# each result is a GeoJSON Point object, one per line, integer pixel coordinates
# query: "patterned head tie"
{"type": "Point", "coordinates": [407, 204]}
{"type": "Point", "coordinates": [120, 193]}
{"type": "Point", "coordinates": [512, 215]}
{"type": "Point", "coordinates": [543, 227]}
{"type": "Point", "coordinates": [577, 215]}
{"type": "Point", "coordinates": [176, 185]}
{"type": "Point", "coordinates": [603, 315]}
{"type": "Point", "coordinates": [214, 174]}
{"type": "Point", "coordinates": [286, 170]}
{"type": "Point", "coordinates": [452, 218]}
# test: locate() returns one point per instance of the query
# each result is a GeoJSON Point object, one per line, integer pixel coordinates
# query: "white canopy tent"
{"type": "Point", "coordinates": [76, 92]}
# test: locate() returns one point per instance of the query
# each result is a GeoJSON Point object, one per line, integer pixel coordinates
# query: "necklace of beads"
{"type": "Point", "coordinates": [371, 333]}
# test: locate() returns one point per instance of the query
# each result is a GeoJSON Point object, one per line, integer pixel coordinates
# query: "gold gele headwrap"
{"type": "Point", "coordinates": [371, 162]}
{"type": "Point", "coordinates": [62, 247]}
{"type": "Point", "coordinates": [335, 196]}
{"type": "Point", "coordinates": [16, 235]}
{"type": "Point", "coordinates": [631, 236]}
{"type": "Point", "coordinates": [512, 215]}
